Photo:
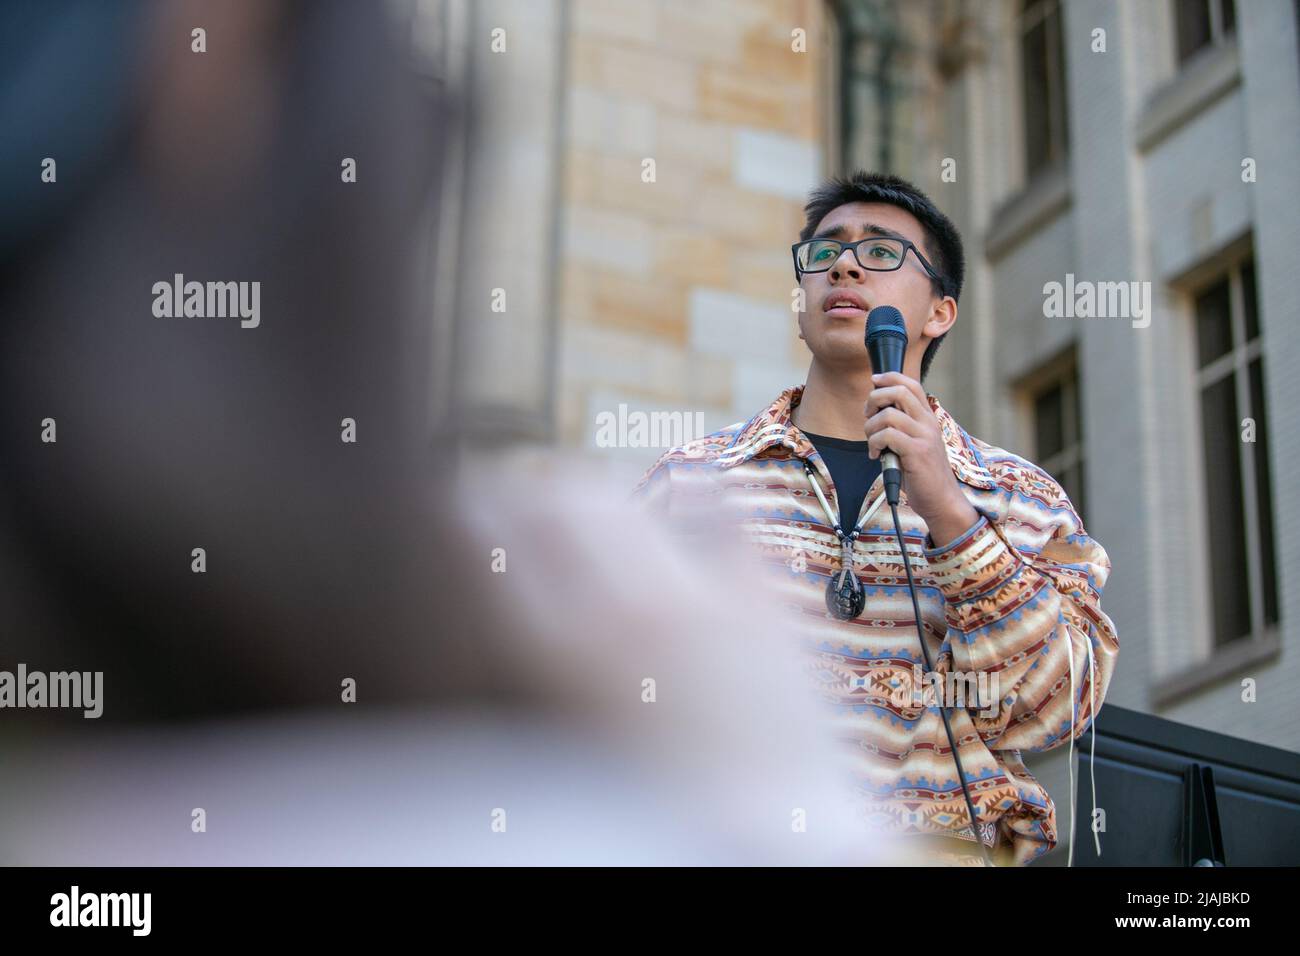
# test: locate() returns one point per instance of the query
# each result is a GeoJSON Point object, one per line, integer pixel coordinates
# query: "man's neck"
{"type": "Point", "coordinates": [833, 403]}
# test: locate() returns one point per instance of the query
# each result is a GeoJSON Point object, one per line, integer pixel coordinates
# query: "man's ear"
{"type": "Point", "coordinates": [942, 317]}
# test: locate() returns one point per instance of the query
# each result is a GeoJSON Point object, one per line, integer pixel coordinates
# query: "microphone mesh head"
{"type": "Point", "coordinates": [885, 320]}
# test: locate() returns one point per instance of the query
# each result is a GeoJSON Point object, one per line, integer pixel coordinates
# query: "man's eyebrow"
{"type": "Point", "coordinates": [868, 228]}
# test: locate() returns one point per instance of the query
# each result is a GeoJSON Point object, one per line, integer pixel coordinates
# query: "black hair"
{"type": "Point", "coordinates": [942, 239]}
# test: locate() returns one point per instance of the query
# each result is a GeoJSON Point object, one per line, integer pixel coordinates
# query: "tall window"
{"type": "Point", "coordinates": [878, 96]}
{"type": "Point", "coordinates": [1042, 65]}
{"type": "Point", "coordinates": [1202, 23]}
{"type": "Point", "coordinates": [1234, 435]}
{"type": "Point", "coordinates": [1058, 432]}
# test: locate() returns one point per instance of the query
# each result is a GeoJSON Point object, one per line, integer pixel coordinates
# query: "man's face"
{"type": "Point", "coordinates": [835, 335]}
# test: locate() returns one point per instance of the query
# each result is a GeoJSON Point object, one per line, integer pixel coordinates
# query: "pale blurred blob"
{"type": "Point", "coordinates": [595, 598]}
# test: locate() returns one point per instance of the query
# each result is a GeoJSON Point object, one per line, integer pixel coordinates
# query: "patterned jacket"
{"type": "Point", "coordinates": [1013, 605]}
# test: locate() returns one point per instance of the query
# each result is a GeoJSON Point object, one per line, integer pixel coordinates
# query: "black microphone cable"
{"type": "Point", "coordinates": [929, 666]}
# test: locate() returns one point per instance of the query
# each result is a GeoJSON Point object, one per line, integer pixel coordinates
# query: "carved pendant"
{"type": "Point", "coordinates": [845, 596]}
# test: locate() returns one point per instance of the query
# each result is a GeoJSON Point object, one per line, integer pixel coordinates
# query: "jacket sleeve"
{"type": "Point", "coordinates": [1022, 601]}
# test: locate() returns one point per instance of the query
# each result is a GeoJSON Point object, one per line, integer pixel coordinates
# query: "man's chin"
{"type": "Point", "coordinates": [843, 349]}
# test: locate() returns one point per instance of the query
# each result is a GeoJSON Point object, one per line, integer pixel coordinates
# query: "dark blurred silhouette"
{"type": "Point", "coordinates": [324, 559]}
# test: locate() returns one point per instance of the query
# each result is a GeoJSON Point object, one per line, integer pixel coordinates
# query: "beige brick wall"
{"type": "Point", "coordinates": [715, 101]}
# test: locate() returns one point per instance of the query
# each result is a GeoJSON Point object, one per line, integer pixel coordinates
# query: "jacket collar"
{"type": "Point", "coordinates": [772, 427]}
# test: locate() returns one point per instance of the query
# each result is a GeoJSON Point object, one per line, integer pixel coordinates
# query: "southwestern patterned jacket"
{"type": "Point", "coordinates": [1013, 604]}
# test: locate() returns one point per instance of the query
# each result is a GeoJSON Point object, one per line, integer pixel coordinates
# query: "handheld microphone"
{"type": "Point", "coordinates": [886, 344]}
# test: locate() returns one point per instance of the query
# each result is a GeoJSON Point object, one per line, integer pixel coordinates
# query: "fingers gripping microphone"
{"type": "Point", "coordinates": [886, 344]}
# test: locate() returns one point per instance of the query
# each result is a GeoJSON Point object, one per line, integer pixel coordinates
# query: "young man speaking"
{"type": "Point", "coordinates": [1008, 581]}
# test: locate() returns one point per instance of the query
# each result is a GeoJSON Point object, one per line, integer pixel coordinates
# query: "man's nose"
{"type": "Point", "coordinates": [846, 265]}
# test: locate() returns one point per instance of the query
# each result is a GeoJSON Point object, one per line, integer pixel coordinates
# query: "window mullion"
{"type": "Point", "coordinates": [1241, 388]}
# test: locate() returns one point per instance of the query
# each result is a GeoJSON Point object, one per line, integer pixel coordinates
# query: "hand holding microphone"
{"type": "Point", "coordinates": [904, 432]}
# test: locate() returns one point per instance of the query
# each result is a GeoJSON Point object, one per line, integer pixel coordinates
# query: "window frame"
{"type": "Point", "coordinates": [1028, 15]}
{"type": "Point", "coordinates": [1062, 370]}
{"type": "Point", "coordinates": [1236, 361]}
{"type": "Point", "coordinates": [1218, 36]}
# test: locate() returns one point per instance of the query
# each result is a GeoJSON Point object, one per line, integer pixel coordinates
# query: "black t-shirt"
{"type": "Point", "coordinates": [852, 470]}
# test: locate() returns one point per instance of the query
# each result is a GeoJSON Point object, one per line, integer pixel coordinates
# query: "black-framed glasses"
{"type": "Point", "coordinates": [882, 254]}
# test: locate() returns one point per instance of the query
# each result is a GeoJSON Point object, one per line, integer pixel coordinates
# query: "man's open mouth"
{"type": "Point", "coordinates": [844, 306]}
